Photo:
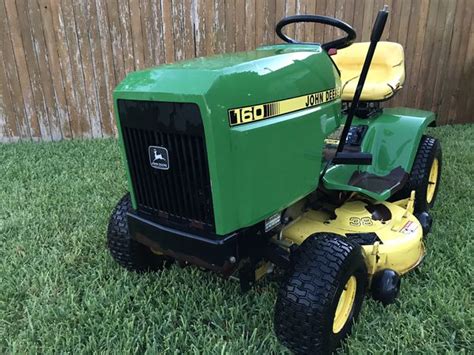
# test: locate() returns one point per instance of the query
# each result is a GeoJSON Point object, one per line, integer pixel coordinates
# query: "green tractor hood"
{"type": "Point", "coordinates": [265, 115]}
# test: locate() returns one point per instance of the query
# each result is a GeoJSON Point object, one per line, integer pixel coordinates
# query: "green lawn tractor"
{"type": "Point", "coordinates": [280, 158]}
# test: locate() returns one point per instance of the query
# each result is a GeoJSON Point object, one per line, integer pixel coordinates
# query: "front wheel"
{"type": "Point", "coordinates": [124, 249]}
{"type": "Point", "coordinates": [322, 296]}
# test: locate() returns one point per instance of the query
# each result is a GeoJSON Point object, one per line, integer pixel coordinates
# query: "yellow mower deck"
{"type": "Point", "coordinates": [399, 240]}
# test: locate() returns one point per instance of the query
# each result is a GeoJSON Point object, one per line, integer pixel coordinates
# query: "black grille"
{"type": "Point", "coordinates": [182, 193]}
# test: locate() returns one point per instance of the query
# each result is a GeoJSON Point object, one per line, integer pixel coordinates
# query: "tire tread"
{"type": "Point", "coordinates": [126, 251]}
{"type": "Point", "coordinates": [303, 301]}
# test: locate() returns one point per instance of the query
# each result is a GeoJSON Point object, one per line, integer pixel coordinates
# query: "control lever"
{"type": "Point", "coordinates": [361, 158]}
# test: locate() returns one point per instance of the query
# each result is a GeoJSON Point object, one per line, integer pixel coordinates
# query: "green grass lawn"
{"type": "Point", "coordinates": [61, 290]}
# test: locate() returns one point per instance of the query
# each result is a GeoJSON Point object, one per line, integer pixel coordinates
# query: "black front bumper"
{"type": "Point", "coordinates": [217, 253]}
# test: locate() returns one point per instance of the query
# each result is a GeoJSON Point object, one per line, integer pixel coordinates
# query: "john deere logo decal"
{"type": "Point", "coordinates": [250, 114]}
{"type": "Point", "coordinates": [159, 158]}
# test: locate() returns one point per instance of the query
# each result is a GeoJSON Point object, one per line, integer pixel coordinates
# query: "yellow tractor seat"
{"type": "Point", "coordinates": [386, 74]}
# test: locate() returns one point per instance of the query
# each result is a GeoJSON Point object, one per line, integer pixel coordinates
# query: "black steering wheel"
{"type": "Point", "coordinates": [331, 21]}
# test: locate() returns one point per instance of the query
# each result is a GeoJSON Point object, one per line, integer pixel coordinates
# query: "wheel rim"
{"type": "Point", "coordinates": [344, 305]}
{"type": "Point", "coordinates": [432, 181]}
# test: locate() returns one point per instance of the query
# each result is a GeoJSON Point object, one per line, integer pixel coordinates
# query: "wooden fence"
{"type": "Point", "coordinates": [60, 60]}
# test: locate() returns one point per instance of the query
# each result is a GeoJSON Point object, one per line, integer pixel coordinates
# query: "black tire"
{"type": "Point", "coordinates": [419, 179]}
{"type": "Point", "coordinates": [126, 251]}
{"type": "Point", "coordinates": [307, 301]}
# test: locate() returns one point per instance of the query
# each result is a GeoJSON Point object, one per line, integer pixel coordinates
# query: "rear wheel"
{"type": "Point", "coordinates": [124, 249]}
{"type": "Point", "coordinates": [322, 296]}
{"type": "Point", "coordinates": [425, 175]}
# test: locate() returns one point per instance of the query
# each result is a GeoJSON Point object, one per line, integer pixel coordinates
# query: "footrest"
{"type": "Point", "coordinates": [353, 178]}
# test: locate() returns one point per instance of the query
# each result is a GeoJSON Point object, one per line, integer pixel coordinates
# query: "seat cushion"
{"type": "Point", "coordinates": [386, 74]}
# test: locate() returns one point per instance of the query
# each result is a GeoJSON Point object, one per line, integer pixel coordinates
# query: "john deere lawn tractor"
{"type": "Point", "coordinates": [280, 157]}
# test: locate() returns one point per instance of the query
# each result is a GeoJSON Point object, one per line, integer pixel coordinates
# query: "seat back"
{"type": "Point", "coordinates": [386, 74]}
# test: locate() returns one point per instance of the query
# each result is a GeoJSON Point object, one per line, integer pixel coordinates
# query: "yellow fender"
{"type": "Point", "coordinates": [399, 240]}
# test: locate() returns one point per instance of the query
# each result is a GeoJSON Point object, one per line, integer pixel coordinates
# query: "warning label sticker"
{"type": "Point", "coordinates": [409, 228]}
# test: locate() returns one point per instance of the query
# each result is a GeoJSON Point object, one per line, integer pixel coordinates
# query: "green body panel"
{"type": "Point", "coordinates": [124, 156]}
{"type": "Point", "coordinates": [259, 168]}
{"type": "Point", "coordinates": [393, 139]}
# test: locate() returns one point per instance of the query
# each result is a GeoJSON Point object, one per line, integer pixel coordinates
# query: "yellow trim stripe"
{"type": "Point", "coordinates": [241, 115]}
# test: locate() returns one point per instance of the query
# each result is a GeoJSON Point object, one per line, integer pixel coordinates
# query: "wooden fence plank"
{"type": "Point", "coordinates": [319, 29]}
{"type": "Point", "coordinates": [436, 50]}
{"type": "Point", "coordinates": [126, 35]}
{"type": "Point", "coordinates": [71, 91]}
{"type": "Point", "coordinates": [187, 28]}
{"type": "Point", "coordinates": [444, 54]}
{"type": "Point", "coordinates": [168, 30]}
{"type": "Point", "coordinates": [393, 26]}
{"type": "Point", "coordinates": [115, 38]}
{"type": "Point", "coordinates": [99, 71]}
{"type": "Point", "coordinates": [137, 36]}
{"type": "Point", "coordinates": [30, 125]}
{"type": "Point", "coordinates": [62, 59]}
{"type": "Point", "coordinates": [81, 127]}
{"type": "Point", "coordinates": [451, 66]}
{"type": "Point", "coordinates": [148, 32]}
{"type": "Point", "coordinates": [33, 69]}
{"type": "Point", "coordinates": [427, 48]}
{"type": "Point", "coordinates": [108, 65]}
{"type": "Point", "coordinates": [4, 106]}
{"type": "Point", "coordinates": [270, 23]}
{"type": "Point", "coordinates": [219, 27]}
{"type": "Point", "coordinates": [43, 68]}
{"type": "Point", "coordinates": [250, 23]}
{"type": "Point", "coordinates": [160, 50]}
{"type": "Point", "coordinates": [280, 10]}
{"type": "Point", "coordinates": [12, 97]}
{"type": "Point", "coordinates": [418, 56]}
{"type": "Point", "coordinates": [260, 12]}
{"type": "Point", "coordinates": [309, 35]}
{"type": "Point", "coordinates": [367, 22]}
{"type": "Point", "coordinates": [199, 27]}
{"type": "Point", "coordinates": [340, 15]}
{"type": "Point", "coordinates": [299, 28]}
{"type": "Point", "coordinates": [458, 78]}
{"type": "Point", "coordinates": [465, 106]}
{"type": "Point", "coordinates": [83, 24]}
{"type": "Point", "coordinates": [202, 25]}
{"type": "Point", "coordinates": [210, 29]}
{"type": "Point", "coordinates": [349, 8]}
{"type": "Point", "coordinates": [4, 93]}
{"type": "Point", "coordinates": [408, 26]}
{"type": "Point", "coordinates": [64, 115]}
{"type": "Point", "coordinates": [158, 43]}
{"type": "Point", "coordinates": [230, 26]}
{"type": "Point", "coordinates": [177, 13]}
{"type": "Point", "coordinates": [290, 10]}
{"type": "Point", "coordinates": [378, 6]}
{"type": "Point", "coordinates": [240, 25]}
{"type": "Point", "coordinates": [358, 18]}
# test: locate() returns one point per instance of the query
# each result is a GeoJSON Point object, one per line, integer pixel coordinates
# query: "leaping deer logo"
{"type": "Point", "coordinates": [159, 158]}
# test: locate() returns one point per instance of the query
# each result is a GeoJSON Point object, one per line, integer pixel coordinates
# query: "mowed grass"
{"type": "Point", "coordinates": [62, 292]}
